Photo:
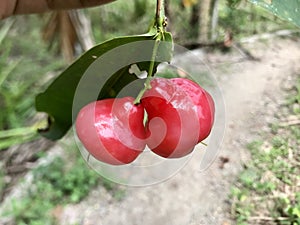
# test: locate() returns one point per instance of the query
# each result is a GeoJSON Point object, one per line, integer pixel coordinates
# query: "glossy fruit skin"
{"type": "Point", "coordinates": [204, 103]}
{"type": "Point", "coordinates": [112, 130]}
{"type": "Point", "coordinates": [180, 115]}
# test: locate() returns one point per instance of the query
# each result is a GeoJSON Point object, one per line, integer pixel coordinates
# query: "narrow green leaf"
{"type": "Point", "coordinates": [5, 29]}
{"type": "Point", "coordinates": [23, 131]}
{"type": "Point", "coordinates": [8, 142]}
{"type": "Point", "coordinates": [57, 100]}
{"type": "Point", "coordinates": [7, 71]}
{"type": "Point", "coordinates": [287, 10]}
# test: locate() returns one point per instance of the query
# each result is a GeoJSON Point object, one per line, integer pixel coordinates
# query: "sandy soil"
{"type": "Point", "coordinates": [252, 91]}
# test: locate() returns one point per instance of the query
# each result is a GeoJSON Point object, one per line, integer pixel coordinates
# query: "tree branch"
{"type": "Point", "coordinates": [14, 7]}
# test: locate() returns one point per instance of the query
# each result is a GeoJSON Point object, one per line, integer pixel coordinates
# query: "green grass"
{"type": "Point", "coordinates": [24, 64]}
{"type": "Point", "coordinates": [268, 191]}
{"type": "Point", "coordinates": [63, 181]}
{"type": "Point", "coordinates": [53, 185]}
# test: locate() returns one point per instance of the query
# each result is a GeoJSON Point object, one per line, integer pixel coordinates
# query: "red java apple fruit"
{"type": "Point", "coordinates": [203, 101]}
{"type": "Point", "coordinates": [180, 115]}
{"type": "Point", "coordinates": [112, 130]}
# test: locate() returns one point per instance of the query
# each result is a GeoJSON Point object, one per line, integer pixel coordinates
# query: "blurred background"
{"type": "Point", "coordinates": [39, 179]}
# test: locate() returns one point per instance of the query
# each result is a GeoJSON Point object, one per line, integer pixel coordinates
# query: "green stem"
{"type": "Point", "coordinates": [154, 53]}
{"type": "Point", "coordinates": [20, 135]}
{"type": "Point", "coordinates": [159, 19]}
{"type": "Point", "coordinates": [8, 142]}
{"type": "Point", "coordinates": [147, 84]}
{"type": "Point", "coordinates": [16, 136]}
{"type": "Point", "coordinates": [17, 132]}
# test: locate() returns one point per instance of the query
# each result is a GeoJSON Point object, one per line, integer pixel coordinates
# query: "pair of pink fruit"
{"type": "Point", "coordinates": [180, 114]}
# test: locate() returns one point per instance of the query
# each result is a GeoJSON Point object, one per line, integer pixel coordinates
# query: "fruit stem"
{"type": "Point", "coordinates": [150, 74]}
{"type": "Point", "coordinates": [160, 29]}
{"type": "Point", "coordinates": [154, 53]}
{"type": "Point", "coordinates": [160, 13]}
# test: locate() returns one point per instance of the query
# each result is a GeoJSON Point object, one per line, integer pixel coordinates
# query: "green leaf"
{"type": "Point", "coordinates": [233, 3]}
{"type": "Point", "coordinates": [8, 142]}
{"type": "Point", "coordinates": [287, 10]}
{"type": "Point", "coordinates": [57, 100]}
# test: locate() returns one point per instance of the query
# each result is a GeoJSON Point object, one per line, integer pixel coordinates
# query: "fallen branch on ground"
{"type": "Point", "coordinates": [290, 123]}
{"type": "Point", "coordinates": [266, 218]}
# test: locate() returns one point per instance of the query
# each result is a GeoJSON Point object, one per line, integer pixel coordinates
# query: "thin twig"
{"type": "Point", "coordinates": [267, 218]}
{"type": "Point", "coordinates": [158, 10]}
{"type": "Point", "coordinates": [290, 123]}
{"type": "Point", "coordinates": [20, 168]}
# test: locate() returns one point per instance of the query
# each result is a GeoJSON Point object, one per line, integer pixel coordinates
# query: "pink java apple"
{"type": "Point", "coordinates": [112, 130]}
{"type": "Point", "coordinates": [180, 115]}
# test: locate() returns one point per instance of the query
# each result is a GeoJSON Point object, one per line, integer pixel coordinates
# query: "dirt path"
{"type": "Point", "coordinates": [252, 91]}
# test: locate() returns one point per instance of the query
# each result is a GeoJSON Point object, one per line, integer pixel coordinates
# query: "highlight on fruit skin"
{"type": "Point", "coordinates": [204, 102]}
{"type": "Point", "coordinates": [112, 130]}
{"type": "Point", "coordinates": [180, 115]}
